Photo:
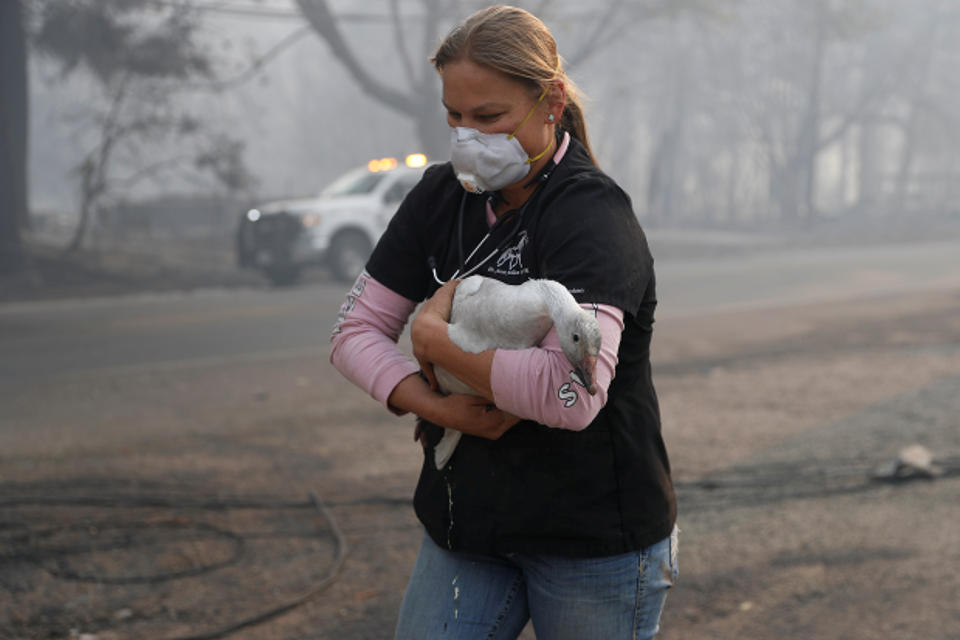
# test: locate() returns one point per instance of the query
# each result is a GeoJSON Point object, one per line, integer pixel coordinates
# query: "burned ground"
{"type": "Point", "coordinates": [182, 503]}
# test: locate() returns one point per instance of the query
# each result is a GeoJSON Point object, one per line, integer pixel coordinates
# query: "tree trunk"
{"type": "Point", "coordinates": [665, 197]}
{"type": "Point", "coordinates": [732, 213]}
{"type": "Point", "coordinates": [663, 178]}
{"type": "Point", "coordinates": [808, 143]}
{"type": "Point", "coordinates": [785, 181]}
{"type": "Point", "coordinates": [433, 133]}
{"type": "Point", "coordinates": [917, 93]}
{"type": "Point", "coordinates": [93, 170]}
{"type": "Point", "coordinates": [868, 176]}
{"type": "Point", "coordinates": [905, 163]}
{"type": "Point", "coordinates": [13, 136]}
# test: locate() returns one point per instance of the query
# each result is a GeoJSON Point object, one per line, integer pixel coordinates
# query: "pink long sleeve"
{"type": "Point", "coordinates": [537, 384]}
{"type": "Point", "coordinates": [364, 339]}
{"type": "Point", "coordinates": [531, 383]}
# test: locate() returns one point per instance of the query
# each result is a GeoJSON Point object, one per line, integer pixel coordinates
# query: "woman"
{"type": "Point", "coordinates": [557, 505]}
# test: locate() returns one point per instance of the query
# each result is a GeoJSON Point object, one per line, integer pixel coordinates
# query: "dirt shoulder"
{"type": "Point", "coordinates": [775, 421]}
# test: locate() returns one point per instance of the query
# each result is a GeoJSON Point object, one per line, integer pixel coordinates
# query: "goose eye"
{"type": "Point", "coordinates": [576, 338]}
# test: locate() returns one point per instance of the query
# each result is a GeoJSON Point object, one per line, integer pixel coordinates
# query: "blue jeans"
{"type": "Point", "coordinates": [465, 596]}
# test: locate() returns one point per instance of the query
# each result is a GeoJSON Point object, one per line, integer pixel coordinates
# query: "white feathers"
{"type": "Point", "coordinates": [488, 314]}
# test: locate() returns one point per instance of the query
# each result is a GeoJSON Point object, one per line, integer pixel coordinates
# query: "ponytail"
{"type": "Point", "coordinates": [573, 119]}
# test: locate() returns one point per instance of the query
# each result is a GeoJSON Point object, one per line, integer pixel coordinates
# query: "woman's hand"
{"type": "Point", "coordinates": [473, 415]}
{"type": "Point", "coordinates": [464, 412]}
{"type": "Point", "coordinates": [430, 321]}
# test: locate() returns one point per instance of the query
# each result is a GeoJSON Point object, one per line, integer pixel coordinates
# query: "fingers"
{"type": "Point", "coordinates": [509, 420]}
{"type": "Point", "coordinates": [483, 404]}
{"type": "Point", "coordinates": [494, 421]}
{"type": "Point", "coordinates": [442, 300]}
{"type": "Point", "coordinates": [426, 370]}
{"type": "Point", "coordinates": [474, 415]}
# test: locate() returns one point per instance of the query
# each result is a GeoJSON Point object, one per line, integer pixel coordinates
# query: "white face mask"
{"type": "Point", "coordinates": [487, 161]}
{"type": "Point", "coordinates": [491, 161]}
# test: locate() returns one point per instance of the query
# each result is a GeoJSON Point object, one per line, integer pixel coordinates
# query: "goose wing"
{"type": "Point", "coordinates": [488, 314]}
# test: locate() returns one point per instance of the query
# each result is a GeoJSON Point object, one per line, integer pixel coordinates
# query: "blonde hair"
{"type": "Point", "coordinates": [516, 43]}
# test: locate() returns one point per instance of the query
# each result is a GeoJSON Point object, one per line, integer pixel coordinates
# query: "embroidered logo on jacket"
{"type": "Point", "coordinates": [510, 260]}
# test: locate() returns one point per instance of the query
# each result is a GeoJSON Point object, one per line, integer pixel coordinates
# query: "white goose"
{"type": "Point", "coordinates": [489, 314]}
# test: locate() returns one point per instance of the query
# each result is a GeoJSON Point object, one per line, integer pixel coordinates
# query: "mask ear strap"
{"type": "Point", "coordinates": [541, 154]}
{"type": "Point", "coordinates": [539, 100]}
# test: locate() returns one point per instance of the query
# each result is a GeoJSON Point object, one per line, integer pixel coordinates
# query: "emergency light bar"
{"type": "Point", "coordinates": [414, 161]}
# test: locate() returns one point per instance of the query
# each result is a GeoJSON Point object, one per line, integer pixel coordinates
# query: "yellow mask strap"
{"type": "Point", "coordinates": [540, 155]}
{"type": "Point", "coordinates": [513, 135]}
{"type": "Point", "coordinates": [520, 126]}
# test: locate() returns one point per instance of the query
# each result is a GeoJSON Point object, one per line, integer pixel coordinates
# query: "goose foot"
{"type": "Point", "coordinates": [444, 449]}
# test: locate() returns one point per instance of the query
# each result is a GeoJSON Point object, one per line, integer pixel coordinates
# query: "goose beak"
{"type": "Point", "coordinates": [587, 372]}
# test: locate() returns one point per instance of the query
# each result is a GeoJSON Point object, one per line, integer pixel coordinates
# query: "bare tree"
{"type": "Point", "coordinates": [142, 56]}
{"type": "Point", "coordinates": [924, 99]}
{"type": "Point", "coordinates": [419, 97]}
{"type": "Point", "coordinates": [794, 159]}
{"type": "Point", "coordinates": [13, 136]}
{"type": "Point", "coordinates": [759, 96]}
{"type": "Point", "coordinates": [420, 100]}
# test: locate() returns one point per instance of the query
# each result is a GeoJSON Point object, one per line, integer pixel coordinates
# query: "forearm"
{"type": "Point", "coordinates": [414, 395]}
{"type": "Point", "coordinates": [363, 343]}
{"type": "Point", "coordinates": [469, 414]}
{"type": "Point", "coordinates": [537, 383]}
{"type": "Point", "coordinates": [363, 348]}
{"type": "Point", "coordinates": [371, 361]}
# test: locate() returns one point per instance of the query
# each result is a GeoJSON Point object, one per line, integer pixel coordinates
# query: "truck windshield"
{"type": "Point", "coordinates": [356, 182]}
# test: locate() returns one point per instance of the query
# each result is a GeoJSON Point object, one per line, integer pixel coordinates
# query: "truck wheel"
{"type": "Point", "coordinates": [349, 252]}
{"type": "Point", "coordinates": [282, 275]}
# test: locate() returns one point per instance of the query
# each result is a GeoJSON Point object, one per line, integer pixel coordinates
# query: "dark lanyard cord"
{"type": "Point", "coordinates": [460, 273]}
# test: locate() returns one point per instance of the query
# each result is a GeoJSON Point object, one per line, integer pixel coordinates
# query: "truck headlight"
{"type": "Point", "coordinates": [253, 215]}
{"type": "Point", "coordinates": [311, 220]}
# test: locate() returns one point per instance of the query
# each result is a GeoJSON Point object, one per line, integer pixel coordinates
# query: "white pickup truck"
{"type": "Point", "coordinates": [338, 228]}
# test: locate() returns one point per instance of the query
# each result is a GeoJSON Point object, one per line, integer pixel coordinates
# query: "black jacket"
{"type": "Point", "coordinates": [601, 491]}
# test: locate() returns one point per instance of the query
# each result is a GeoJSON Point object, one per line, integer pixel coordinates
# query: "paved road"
{"type": "Point", "coordinates": [783, 277]}
{"type": "Point", "coordinates": [40, 340]}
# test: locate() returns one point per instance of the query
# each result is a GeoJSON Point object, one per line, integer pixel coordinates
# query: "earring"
{"type": "Point", "coordinates": [551, 118]}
